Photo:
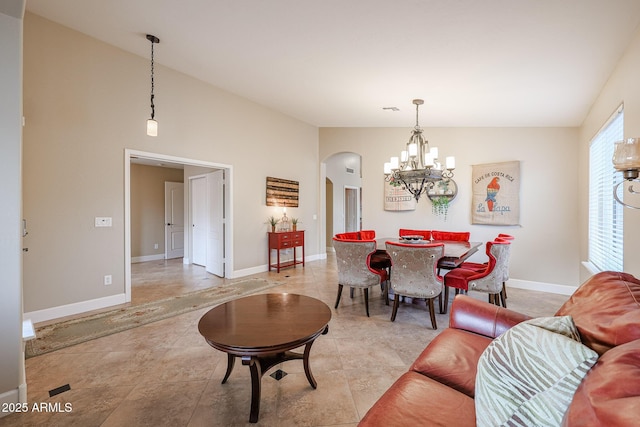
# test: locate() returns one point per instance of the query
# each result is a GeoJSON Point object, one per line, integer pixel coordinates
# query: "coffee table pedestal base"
{"type": "Point", "coordinates": [258, 365]}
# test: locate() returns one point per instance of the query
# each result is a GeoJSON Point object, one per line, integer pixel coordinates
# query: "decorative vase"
{"type": "Point", "coordinates": [295, 227]}
{"type": "Point", "coordinates": [273, 228]}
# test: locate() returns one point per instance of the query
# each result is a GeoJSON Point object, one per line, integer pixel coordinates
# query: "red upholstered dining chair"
{"type": "Point", "coordinates": [367, 234]}
{"type": "Point", "coordinates": [456, 236]}
{"type": "Point", "coordinates": [426, 234]}
{"type": "Point", "coordinates": [354, 269]}
{"type": "Point", "coordinates": [489, 280]}
{"type": "Point", "coordinates": [414, 274]}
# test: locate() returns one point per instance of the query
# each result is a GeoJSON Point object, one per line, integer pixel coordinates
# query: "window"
{"type": "Point", "coordinates": [605, 214]}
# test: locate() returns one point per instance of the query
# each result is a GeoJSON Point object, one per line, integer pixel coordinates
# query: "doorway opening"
{"type": "Point", "coordinates": [222, 235]}
{"type": "Point", "coordinates": [341, 195]}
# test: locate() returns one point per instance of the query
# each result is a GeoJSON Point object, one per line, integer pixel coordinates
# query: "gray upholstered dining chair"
{"type": "Point", "coordinates": [490, 280]}
{"type": "Point", "coordinates": [414, 274]}
{"type": "Point", "coordinates": [354, 269]}
{"type": "Point", "coordinates": [505, 271]}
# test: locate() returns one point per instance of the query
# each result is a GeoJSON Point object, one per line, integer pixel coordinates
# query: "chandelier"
{"type": "Point", "coordinates": [418, 167]}
{"type": "Point", "coordinates": [626, 159]}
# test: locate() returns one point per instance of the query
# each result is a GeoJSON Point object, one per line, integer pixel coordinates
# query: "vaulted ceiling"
{"type": "Point", "coordinates": [340, 62]}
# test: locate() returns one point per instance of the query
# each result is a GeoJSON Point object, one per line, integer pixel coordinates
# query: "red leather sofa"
{"type": "Point", "coordinates": [439, 387]}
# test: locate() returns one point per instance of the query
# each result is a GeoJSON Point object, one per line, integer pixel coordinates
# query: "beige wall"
{"type": "Point", "coordinates": [622, 87]}
{"type": "Point", "coordinates": [147, 207]}
{"type": "Point", "coordinates": [546, 249]}
{"type": "Point", "coordinates": [85, 102]}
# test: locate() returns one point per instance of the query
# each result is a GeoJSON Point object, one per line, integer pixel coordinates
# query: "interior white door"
{"type": "Point", "coordinates": [351, 209]}
{"type": "Point", "coordinates": [199, 221]}
{"type": "Point", "coordinates": [215, 232]}
{"type": "Point", "coordinates": [174, 220]}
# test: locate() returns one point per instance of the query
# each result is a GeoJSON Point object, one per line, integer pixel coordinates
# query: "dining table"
{"type": "Point", "coordinates": [455, 252]}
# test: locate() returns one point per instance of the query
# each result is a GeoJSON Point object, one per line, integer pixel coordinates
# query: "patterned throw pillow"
{"type": "Point", "coordinates": [528, 375]}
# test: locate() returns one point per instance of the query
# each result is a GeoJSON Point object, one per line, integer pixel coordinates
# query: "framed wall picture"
{"type": "Point", "coordinates": [282, 192]}
{"type": "Point", "coordinates": [496, 193]}
{"type": "Point", "coordinates": [397, 198]}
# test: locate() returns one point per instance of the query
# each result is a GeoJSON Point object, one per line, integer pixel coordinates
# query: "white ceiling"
{"type": "Point", "coordinates": [339, 62]}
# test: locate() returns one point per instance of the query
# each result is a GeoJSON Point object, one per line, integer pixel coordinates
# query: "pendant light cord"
{"type": "Point", "coordinates": [153, 107]}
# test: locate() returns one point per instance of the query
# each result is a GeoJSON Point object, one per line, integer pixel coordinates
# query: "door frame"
{"type": "Point", "coordinates": [228, 194]}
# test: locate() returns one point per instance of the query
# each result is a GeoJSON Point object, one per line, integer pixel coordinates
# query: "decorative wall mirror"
{"type": "Point", "coordinates": [442, 193]}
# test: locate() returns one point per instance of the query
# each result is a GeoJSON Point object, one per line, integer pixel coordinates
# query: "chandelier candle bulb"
{"type": "Point", "coordinates": [450, 162]}
{"type": "Point", "coordinates": [428, 160]}
{"type": "Point", "coordinates": [413, 150]}
{"type": "Point", "coordinates": [434, 152]}
{"type": "Point", "coordinates": [395, 164]}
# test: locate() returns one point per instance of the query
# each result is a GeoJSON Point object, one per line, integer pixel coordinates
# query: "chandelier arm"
{"type": "Point", "coordinates": [631, 190]}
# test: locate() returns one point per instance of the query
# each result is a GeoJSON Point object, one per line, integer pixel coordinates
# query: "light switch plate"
{"type": "Point", "coordinates": [103, 221]}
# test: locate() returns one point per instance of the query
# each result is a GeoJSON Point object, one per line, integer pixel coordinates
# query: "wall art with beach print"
{"type": "Point", "coordinates": [496, 193]}
{"type": "Point", "coordinates": [397, 198]}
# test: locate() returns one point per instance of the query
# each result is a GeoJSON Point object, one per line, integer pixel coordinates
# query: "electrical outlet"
{"type": "Point", "coordinates": [155, 246]}
{"type": "Point", "coordinates": [107, 280]}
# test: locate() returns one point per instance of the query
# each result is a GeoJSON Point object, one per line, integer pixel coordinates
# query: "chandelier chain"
{"type": "Point", "coordinates": [153, 107]}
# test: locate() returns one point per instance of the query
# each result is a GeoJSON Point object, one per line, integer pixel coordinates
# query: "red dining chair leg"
{"type": "Point", "coordinates": [396, 303]}
{"type": "Point", "coordinates": [432, 313]}
{"type": "Point", "coordinates": [366, 300]}
{"type": "Point", "coordinates": [504, 290]}
{"type": "Point", "coordinates": [339, 294]}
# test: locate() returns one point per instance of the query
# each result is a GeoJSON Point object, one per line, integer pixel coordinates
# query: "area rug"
{"type": "Point", "coordinates": [71, 332]}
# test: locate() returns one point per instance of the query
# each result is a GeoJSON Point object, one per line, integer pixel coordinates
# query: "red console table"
{"type": "Point", "coordinates": [284, 240]}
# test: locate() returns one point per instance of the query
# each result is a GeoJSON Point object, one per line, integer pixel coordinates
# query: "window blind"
{"type": "Point", "coordinates": [605, 214]}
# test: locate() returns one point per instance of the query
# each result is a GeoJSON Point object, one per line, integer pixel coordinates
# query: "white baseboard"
{"type": "Point", "coordinates": [551, 288]}
{"type": "Point", "coordinates": [75, 308]}
{"type": "Point", "coordinates": [248, 271]}
{"type": "Point", "coordinates": [11, 396]}
{"type": "Point", "coordinates": [265, 267]}
{"type": "Point", "coordinates": [146, 258]}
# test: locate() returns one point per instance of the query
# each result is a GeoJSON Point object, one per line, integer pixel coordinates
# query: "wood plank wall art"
{"type": "Point", "coordinates": [282, 192]}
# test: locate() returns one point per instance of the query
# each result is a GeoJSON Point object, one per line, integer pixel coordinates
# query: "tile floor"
{"type": "Point", "coordinates": [165, 374]}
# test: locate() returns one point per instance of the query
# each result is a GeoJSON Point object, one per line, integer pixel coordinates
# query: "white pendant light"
{"type": "Point", "coordinates": [152, 124]}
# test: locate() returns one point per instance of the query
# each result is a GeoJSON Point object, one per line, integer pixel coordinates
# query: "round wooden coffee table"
{"type": "Point", "coordinates": [261, 330]}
